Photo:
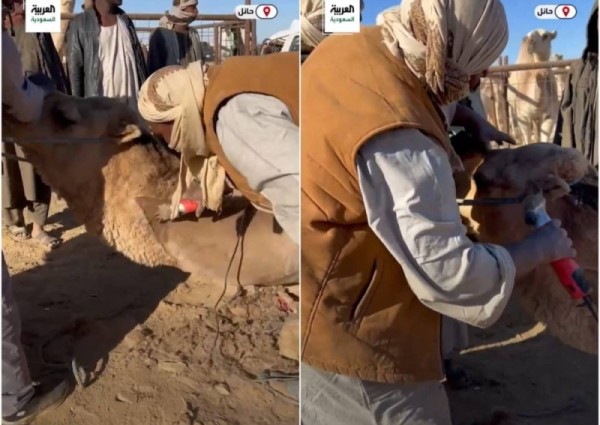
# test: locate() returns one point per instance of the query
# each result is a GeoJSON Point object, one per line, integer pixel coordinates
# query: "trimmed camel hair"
{"type": "Point", "coordinates": [115, 184]}
{"type": "Point", "coordinates": [511, 173]}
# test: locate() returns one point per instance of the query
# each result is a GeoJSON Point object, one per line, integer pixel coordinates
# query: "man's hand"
{"type": "Point", "coordinates": [487, 133]}
{"type": "Point", "coordinates": [479, 127]}
{"type": "Point", "coordinates": [42, 81]}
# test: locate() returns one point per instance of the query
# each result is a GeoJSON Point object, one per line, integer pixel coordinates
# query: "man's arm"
{"type": "Point", "coordinates": [261, 141]}
{"type": "Point", "coordinates": [75, 60]}
{"type": "Point", "coordinates": [22, 99]}
{"type": "Point", "coordinates": [410, 199]}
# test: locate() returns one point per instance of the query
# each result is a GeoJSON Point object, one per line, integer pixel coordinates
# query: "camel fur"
{"type": "Point", "coordinates": [114, 188]}
{"type": "Point", "coordinates": [510, 173]}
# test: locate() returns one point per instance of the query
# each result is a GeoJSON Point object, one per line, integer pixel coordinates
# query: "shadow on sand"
{"type": "Point", "coordinates": [64, 315]}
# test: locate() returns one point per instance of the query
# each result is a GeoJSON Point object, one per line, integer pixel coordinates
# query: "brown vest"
{"type": "Point", "coordinates": [359, 315]}
{"type": "Point", "coordinates": [274, 75]}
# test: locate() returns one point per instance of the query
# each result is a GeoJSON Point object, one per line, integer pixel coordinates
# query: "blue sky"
{"type": "Point", "coordinates": [570, 40]}
{"type": "Point", "coordinates": [288, 11]}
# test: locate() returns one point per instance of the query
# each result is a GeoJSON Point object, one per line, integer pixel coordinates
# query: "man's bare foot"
{"type": "Point", "coordinates": [39, 235]}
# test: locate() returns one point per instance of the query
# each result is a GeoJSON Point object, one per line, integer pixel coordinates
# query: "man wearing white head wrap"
{"type": "Point", "coordinates": [237, 119]}
{"type": "Point", "coordinates": [174, 42]}
{"type": "Point", "coordinates": [385, 254]}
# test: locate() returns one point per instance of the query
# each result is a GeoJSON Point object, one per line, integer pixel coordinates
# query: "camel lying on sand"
{"type": "Point", "coordinates": [509, 173]}
{"type": "Point", "coordinates": [114, 187]}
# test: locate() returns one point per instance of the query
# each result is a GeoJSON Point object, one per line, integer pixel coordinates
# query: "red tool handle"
{"type": "Point", "coordinates": [571, 277]}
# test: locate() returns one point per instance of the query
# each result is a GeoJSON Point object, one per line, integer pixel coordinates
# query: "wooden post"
{"type": "Point", "coordinates": [504, 104]}
{"type": "Point", "coordinates": [216, 50]}
{"type": "Point", "coordinates": [247, 32]}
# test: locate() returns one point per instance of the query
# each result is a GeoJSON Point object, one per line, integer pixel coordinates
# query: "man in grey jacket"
{"type": "Point", "coordinates": [105, 57]}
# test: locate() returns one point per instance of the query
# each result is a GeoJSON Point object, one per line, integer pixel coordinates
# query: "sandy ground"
{"type": "Point", "coordinates": [149, 342]}
{"type": "Point", "coordinates": [143, 338]}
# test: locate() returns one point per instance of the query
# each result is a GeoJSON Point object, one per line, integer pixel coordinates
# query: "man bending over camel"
{"type": "Point", "coordinates": [234, 123]}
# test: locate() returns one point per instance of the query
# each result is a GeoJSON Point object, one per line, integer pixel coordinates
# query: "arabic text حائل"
{"type": "Point", "coordinates": [245, 11]}
{"type": "Point", "coordinates": [545, 11]}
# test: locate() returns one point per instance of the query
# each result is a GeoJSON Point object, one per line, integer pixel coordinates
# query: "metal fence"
{"type": "Point", "coordinates": [496, 86]}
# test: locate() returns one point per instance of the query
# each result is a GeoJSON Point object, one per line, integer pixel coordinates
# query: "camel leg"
{"type": "Point", "coordinates": [524, 131]}
{"type": "Point", "coordinates": [547, 132]}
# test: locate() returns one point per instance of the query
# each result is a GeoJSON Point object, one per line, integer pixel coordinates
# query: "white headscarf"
{"type": "Point", "coordinates": [311, 22]}
{"type": "Point", "coordinates": [444, 42]}
{"type": "Point", "coordinates": [176, 94]}
{"type": "Point", "coordinates": [177, 14]}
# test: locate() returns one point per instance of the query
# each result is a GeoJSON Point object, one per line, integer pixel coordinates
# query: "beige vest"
{"type": "Point", "coordinates": [274, 75]}
{"type": "Point", "coordinates": [359, 315]}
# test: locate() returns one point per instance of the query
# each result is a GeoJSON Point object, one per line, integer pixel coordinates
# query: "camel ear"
{"type": "Point", "coordinates": [530, 45]}
{"type": "Point", "coordinates": [128, 132]}
{"type": "Point", "coordinates": [66, 112]}
{"type": "Point", "coordinates": [553, 34]}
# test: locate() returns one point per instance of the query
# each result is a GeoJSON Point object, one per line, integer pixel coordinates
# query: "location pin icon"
{"type": "Point", "coordinates": [566, 10]}
{"type": "Point", "coordinates": [267, 10]}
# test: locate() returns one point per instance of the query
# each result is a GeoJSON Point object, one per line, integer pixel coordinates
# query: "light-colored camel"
{"type": "Point", "coordinates": [561, 77]}
{"type": "Point", "coordinates": [511, 172]}
{"type": "Point", "coordinates": [114, 188]}
{"type": "Point", "coordinates": [493, 98]}
{"type": "Point", "coordinates": [531, 94]}
{"type": "Point", "coordinates": [66, 7]}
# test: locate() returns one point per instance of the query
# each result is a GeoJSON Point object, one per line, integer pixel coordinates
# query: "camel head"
{"type": "Point", "coordinates": [509, 173]}
{"type": "Point", "coordinates": [538, 44]}
{"type": "Point", "coordinates": [98, 130]}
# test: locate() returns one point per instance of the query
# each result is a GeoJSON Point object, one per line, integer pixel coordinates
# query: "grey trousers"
{"type": "Point", "coordinates": [17, 386]}
{"type": "Point", "coordinates": [37, 212]}
{"type": "Point", "coordinates": [330, 399]}
{"type": "Point", "coordinates": [455, 337]}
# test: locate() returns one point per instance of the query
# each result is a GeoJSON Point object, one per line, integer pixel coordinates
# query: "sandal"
{"type": "Point", "coordinates": [48, 241]}
{"type": "Point", "coordinates": [19, 232]}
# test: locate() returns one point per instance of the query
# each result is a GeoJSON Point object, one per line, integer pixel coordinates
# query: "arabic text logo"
{"type": "Point", "coordinates": [342, 16]}
{"type": "Point", "coordinates": [256, 11]}
{"type": "Point", "coordinates": [42, 16]}
{"type": "Point", "coordinates": [553, 11]}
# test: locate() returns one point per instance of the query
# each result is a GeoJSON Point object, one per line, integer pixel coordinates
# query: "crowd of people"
{"type": "Point", "coordinates": [104, 57]}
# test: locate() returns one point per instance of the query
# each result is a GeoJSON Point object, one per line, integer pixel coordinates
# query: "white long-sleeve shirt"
{"type": "Point", "coordinates": [21, 98]}
{"type": "Point", "coordinates": [262, 142]}
{"type": "Point", "coordinates": [409, 194]}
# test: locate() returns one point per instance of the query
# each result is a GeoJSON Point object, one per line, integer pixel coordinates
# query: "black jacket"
{"type": "Point", "coordinates": [169, 47]}
{"type": "Point", "coordinates": [83, 61]}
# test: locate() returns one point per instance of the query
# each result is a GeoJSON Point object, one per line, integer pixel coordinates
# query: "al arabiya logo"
{"type": "Point", "coordinates": [337, 13]}
{"type": "Point", "coordinates": [39, 12]}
